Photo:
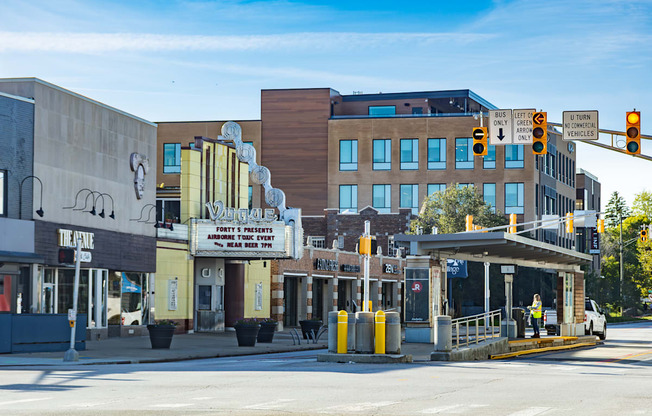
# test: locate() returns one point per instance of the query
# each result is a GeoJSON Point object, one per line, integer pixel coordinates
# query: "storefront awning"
{"type": "Point", "coordinates": [495, 247]}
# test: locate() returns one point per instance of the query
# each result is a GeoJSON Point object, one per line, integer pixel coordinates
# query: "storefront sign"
{"type": "Point", "coordinates": [350, 268]}
{"type": "Point", "coordinates": [68, 238]}
{"type": "Point", "coordinates": [173, 292]}
{"type": "Point", "coordinates": [594, 241]}
{"type": "Point", "coordinates": [231, 239]}
{"type": "Point", "coordinates": [326, 265]}
{"type": "Point", "coordinates": [217, 213]}
{"type": "Point", "coordinates": [456, 268]}
{"type": "Point", "coordinates": [391, 268]}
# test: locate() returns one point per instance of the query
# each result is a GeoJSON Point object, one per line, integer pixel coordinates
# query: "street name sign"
{"type": "Point", "coordinates": [85, 256]}
{"type": "Point", "coordinates": [523, 126]}
{"type": "Point", "coordinates": [580, 125]}
{"type": "Point", "coordinates": [500, 127]}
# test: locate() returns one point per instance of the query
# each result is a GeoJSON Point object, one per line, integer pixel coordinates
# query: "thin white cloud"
{"type": "Point", "coordinates": [114, 42]}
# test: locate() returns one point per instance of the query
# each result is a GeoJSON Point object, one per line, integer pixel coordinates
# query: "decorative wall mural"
{"type": "Point", "coordinates": [139, 165]}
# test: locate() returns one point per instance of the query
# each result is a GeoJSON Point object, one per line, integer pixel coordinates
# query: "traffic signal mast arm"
{"type": "Point", "coordinates": [544, 223]}
{"type": "Point", "coordinates": [612, 147]}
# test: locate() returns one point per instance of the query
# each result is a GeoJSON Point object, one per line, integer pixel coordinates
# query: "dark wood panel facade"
{"type": "Point", "coordinates": [295, 148]}
{"type": "Point", "coordinates": [112, 250]}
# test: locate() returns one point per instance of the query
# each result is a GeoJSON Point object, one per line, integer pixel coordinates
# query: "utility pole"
{"type": "Point", "coordinates": [620, 216]}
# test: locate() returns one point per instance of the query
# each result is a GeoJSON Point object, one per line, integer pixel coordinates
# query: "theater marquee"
{"type": "Point", "coordinates": [240, 240]}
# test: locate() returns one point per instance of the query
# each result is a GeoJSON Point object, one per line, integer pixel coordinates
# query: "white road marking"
{"type": "Point", "coordinates": [172, 405]}
{"type": "Point", "coordinates": [270, 405]}
{"type": "Point", "coordinates": [530, 411]}
{"type": "Point", "coordinates": [355, 407]}
{"type": "Point", "coordinates": [202, 398]}
{"type": "Point", "coordinates": [454, 408]}
{"type": "Point", "coordinates": [25, 401]}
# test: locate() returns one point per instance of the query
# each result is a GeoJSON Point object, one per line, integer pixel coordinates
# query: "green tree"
{"type": "Point", "coordinates": [643, 204]}
{"type": "Point", "coordinates": [616, 208]}
{"type": "Point", "coordinates": [447, 210]}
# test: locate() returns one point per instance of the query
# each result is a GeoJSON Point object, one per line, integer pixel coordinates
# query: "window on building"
{"type": "Point", "coordinates": [514, 198]}
{"type": "Point", "coordinates": [382, 110]}
{"type": "Point", "coordinates": [3, 193]}
{"type": "Point", "coordinates": [464, 153]}
{"type": "Point", "coordinates": [514, 156]}
{"type": "Point", "coordinates": [391, 247]}
{"type": "Point", "coordinates": [464, 185]}
{"type": "Point", "coordinates": [168, 210]}
{"type": "Point", "coordinates": [489, 161]}
{"type": "Point", "coordinates": [436, 187]}
{"type": "Point", "coordinates": [382, 154]}
{"type": "Point", "coordinates": [317, 242]}
{"type": "Point", "coordinates": [172, 158]}
{"type": "Point", "coordinates": [436, 153]}
{"type": "Point", "coordinates": [417, 110]}
{"type": "Point", "coordinates": [251, 197]}
{"type": "Point", "coordinates": [489, 195]}
{"type": "Point", "coordinates": [382, 198]}
{"type": "Point", "coordinates": [349, 198]}
{"type": "Point", "coordinates": [409, 154]}
{"type": "Point", "coordinates": [348, 155]}
{"type": "Point", "coordinates": [553, 166]}
{"type": "Point", "coordinates": [410, 197]}
{"type": "Point", "coordinates": [340, 242]}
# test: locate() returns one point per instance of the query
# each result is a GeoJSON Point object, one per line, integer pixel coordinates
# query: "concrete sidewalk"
{"type": "Point", "coordinates": [132, 350]}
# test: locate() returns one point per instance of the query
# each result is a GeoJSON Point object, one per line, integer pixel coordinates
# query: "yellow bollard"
{"type": "Point", "coordinates": [371, 303]}
{"type": "Point", "coordinates": [342, 331]}
{"type": "Point", "coordinates": [380, 333]}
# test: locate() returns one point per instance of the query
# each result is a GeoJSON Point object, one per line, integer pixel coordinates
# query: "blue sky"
{"type": "Point", "coordinates": [208, 60]}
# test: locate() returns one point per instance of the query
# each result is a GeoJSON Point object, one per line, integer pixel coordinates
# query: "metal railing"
{"type": "Point", "coordinates": [473, 333]}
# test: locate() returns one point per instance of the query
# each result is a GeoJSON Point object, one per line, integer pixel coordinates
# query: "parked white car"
{"type": "Point", "coordinates": [594, 320]}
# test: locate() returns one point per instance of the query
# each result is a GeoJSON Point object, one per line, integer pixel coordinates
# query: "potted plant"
{"type": "Point", "coordinates": [246, 330]}
{"type": "Point", "coordinates": [161, 332]}
{"type": "Point", "coordinates": [267, 328]}
{"type": "Point", "coordinates": [310, 327]}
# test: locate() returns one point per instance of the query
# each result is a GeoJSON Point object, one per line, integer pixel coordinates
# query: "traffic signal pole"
{"type": "Point", "coordinates": [365, 306]}
{"type": "Point", "coordinates": [72, 354]}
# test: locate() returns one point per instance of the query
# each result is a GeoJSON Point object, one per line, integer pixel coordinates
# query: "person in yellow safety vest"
{"type": "Point", "coordinates": [535, 310]}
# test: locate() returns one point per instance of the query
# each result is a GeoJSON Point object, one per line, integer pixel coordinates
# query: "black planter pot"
{"type": "Point", "coordinates": [266, 332]}
{"type": "Point", "coordinates": [310, 327]}
{"type": "Point", "coordinates": [160, 335]}
{"type": "Point", "coordinates": [246, 334]}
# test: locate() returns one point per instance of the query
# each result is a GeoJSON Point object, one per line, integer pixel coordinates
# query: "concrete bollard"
{"type": "Point", "coordinates": [379, 329]}
{"type": "Point", "coordinates": [392, 333]}
{"type": "Point", "coordinates": [351, 332]}
{"type": "Point", "coordinates": [364, 332]}
{"type": "Point", "coordinates": [342, 324]}
{"type": "Point", "coordinates": [443, 333]}
{"type": "Point", "coordinates": [332, 332]}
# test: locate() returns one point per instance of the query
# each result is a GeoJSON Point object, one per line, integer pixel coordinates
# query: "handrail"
{"type": "Point", "coordinates": [487, 317]}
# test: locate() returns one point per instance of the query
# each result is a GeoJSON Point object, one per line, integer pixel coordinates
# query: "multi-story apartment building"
{"type": "Point", "coordinates": [588, 199]}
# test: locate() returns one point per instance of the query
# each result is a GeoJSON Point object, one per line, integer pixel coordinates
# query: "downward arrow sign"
{"type": "Point", "coordinates": [501, 136]}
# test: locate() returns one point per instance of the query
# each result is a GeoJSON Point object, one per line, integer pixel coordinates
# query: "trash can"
{"type": "Point", "coordinates": [392, 333]}
{"type": "Point", "coordinates": [518, 314]}
{"type": "Point", "coordinates": [364, 332]}
{"type": "Point", "coordinates": [350, 340]}
{"type": "Point", "coordinates": [332, 331]}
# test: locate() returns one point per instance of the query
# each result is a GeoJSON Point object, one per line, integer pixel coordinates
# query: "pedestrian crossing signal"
{"type": "Point", "coordinates": [66, 255]}
{"type": "Point", "coordinates": [643, 236]}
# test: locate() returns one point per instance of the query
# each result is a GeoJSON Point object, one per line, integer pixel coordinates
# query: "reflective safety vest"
{"type": "Point", "coordinates": [536, 309]}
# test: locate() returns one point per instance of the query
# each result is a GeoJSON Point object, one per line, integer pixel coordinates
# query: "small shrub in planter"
{"type": "Point", "coordinates": [246, 331]}
{"type": "Point", "coordinates": [267, 328]}
{"type": "Point", "coordinates": [161, 332]}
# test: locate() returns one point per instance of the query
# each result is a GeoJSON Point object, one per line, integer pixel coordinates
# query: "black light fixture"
{"type": "Point", "coordinates": [39, 211]}
{"type": "Point", "coordinates": [157, 225]}
{"type": "Point", "coordinates": [112, 216]}
{"type": "Point", "coordinates": [170, 226]}
{"type": "Point", "coordinates": [140, 219]}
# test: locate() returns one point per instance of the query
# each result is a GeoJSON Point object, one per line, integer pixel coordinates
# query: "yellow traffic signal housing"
{"type": "Point", "coordinates": [512, 222]}
{"type": "Point", "coordinates": [569, 222]}
{"type": "Point", "coordinates": [633, 132]}
{"type": "Point", "coordinates": [479, 141]}
{"type": "Point", "coordinates": [643, 236]}
{"type": "Point", "coordinates": [540, 133]}
{"type": "Point", "coordinates": [367, 245]}
{"type": "Point", "coordinates": [469, 223]}
{"type": "Point", "coordinates": [601, 225]}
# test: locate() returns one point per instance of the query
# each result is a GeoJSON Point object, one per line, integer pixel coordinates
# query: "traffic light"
{"type": "Point", "coordinates": [66, 255]}
{"type": "Point", "coordinates": [601, 225]}
{"type": "Point", "coordinates": [469, 223]}
{"type": "Point", "coordinates": [479, 141]}
{"type": "Point", "coordinates": [512, 222]}
{"type": "Point", "coordinates": [633, 133]}
{"type": "Point", "coordinates": [569, 222]}
{"type": "Point", "coordinates": [540, 133]}
{"type": "Point", "coordinates": [367, 245]}
{"type": "Point", "coordinates": [643, 237]}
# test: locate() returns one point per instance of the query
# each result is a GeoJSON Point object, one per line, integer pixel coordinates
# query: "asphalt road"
{"type": "Point", "coordinates": [611, 379]}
